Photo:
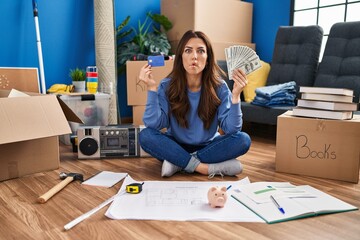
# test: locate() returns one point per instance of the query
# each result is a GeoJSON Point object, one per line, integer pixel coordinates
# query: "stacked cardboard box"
{"type": "Point", "coordinates": [22, 79]}
{"type": "Point", "coordinates": [318, 147]}
{"type": "Point", "coordinates": [315, 139]}
{"type": "Point", "coordinates": [137, 90]}
{"type": "Point", "coordinates": [225, 22]}
{"type": "Point", "coordinates": [30, 126]}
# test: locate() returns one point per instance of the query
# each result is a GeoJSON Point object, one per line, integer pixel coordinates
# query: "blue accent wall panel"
{"type": "Point", "coordinates": [66, 33]}
{"type": "Point", "coordinates": [137, 11]}
{"type": "Point", "coordinates": [268, 16]}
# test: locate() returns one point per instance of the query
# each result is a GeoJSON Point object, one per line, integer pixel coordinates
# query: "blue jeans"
{"type": "Point", "coordinates": [222, 148]}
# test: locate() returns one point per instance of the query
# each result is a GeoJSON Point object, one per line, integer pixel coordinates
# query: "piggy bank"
{"type": "Point", "coordinates": [217, 197]}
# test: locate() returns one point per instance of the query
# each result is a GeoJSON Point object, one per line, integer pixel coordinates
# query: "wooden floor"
{"type": "Point", "coordinates": [21, 217]}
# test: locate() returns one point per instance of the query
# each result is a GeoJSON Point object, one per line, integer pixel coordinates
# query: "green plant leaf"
{"type": "Point", "coordinates": [162, 20]}
{"type": "Point", "coordinates": [157, 43]}
{"type": "Point", "coordinates": [121, 35]}
{"type": "Point", "coordinates": [123, 24]}
{"type": "Point", "coordinates": [77, 74]}
{"type": "Point", "coordinates": [143, 41]}
{"type": "Point", "coordinates": [124, 53]}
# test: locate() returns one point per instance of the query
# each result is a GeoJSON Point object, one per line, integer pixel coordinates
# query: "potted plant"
{"type": "Point", "coordinates": [78, 77]}
{"type": "Point", "coordinates": [142, 40]}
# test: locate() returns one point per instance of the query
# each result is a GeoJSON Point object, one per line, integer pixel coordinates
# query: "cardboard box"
{"type": "Point", "coordinates": [138, 113]}
{"type": "Point", "coordinates": [318, 147]}
{"type": "Point", "coordinates": [29, 129]}
{"type": "Point", "coordinates": [22, 79]}
{"type": "Point", "coordinates": [220, 20]}
{"type": "Point", "coordinates": [136, 89]}
{"type": "Point", "coordinates": [218, 47]}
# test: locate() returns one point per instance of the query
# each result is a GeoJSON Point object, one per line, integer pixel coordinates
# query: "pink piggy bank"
{"type": "Point", "coordinates": [217, 197]}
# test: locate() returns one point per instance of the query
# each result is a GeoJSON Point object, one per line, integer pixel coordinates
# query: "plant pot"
{"type": "Point", "coordinates": [79, 86]}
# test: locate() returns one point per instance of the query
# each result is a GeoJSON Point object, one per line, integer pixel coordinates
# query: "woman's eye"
{"type": "Point", "coordinates": [187, 51]}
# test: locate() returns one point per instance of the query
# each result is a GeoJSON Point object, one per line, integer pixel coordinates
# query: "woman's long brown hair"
{"type": "Point", "coordinates": [177, 92]}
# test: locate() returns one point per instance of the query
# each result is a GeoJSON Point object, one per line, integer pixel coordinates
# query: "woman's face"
{"type": "Point", "coordinates": [194, 56]}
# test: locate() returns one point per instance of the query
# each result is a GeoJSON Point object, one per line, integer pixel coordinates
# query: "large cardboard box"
{"type": "Point", "coordinates": [220, 20]}
{"type": "Point", "coordinates": [22, 79]}
{"type": "Point", "coordinates": [318, 147]}
{"type": "Point", "coordinates": [136, 89]}
{"type": "Point", "coordinates": [138, 114]}
{"type": "Point", "coordinates": [29, 132]}
{"type": "Point", "coordinates": [218, 47]}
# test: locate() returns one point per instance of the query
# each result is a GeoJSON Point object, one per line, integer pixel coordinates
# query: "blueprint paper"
{"type": "Point", "coordinates": [179, 201]}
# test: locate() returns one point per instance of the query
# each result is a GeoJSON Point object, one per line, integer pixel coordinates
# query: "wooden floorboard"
{"type": "Point", "coordinates": [23, 218]}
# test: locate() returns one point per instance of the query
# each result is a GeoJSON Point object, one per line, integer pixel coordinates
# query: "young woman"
{"type": "Point", "coordinates": [192, 104]}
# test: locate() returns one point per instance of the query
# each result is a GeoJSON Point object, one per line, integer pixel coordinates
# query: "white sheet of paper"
{"type": "Point", "coordinates": [260, 192]}
{"type": "Point", "coordinates": [17, 93]}
{"type": "Point", "coordinates": [179, 201]}
{"type": "Point", "coordinates": [105, 179]}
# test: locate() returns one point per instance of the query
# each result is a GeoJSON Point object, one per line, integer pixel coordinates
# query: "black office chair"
{"type": "Point", "coordinates": [340, 65]}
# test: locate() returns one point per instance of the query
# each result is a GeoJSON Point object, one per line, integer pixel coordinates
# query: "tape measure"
{"type": "Point", "coordinates": [134, 188]}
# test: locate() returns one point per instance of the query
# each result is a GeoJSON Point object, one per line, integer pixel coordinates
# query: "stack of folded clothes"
{"type": "Point", "coordinates": [276, 95]}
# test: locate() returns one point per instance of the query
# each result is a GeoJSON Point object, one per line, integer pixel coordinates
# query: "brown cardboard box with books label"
{"type": "Point", "coordinates": [30, 126]}
{"type": "Point", "coordinates": [318, 147]}
{"type": "Point", "coordinates": [136, 89]}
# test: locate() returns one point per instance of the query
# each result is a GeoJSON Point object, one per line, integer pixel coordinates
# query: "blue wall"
{"type": "Point", "coordinates": [67, 34]}
{"type": "Point", "coordinates": [137, 11]}
{"type": "Point", "coordinates": [267, 17]}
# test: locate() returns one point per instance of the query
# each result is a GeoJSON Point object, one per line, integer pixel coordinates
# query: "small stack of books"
{"type": "Point", "coordinates": [328, 103]}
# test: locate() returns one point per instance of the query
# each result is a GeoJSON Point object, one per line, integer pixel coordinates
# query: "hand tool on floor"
{"type": "Point", "coordinates": [67, 178]}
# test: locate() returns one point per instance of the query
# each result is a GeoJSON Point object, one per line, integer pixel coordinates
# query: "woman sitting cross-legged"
{"type": "Point", "coordinates": [192, 103]}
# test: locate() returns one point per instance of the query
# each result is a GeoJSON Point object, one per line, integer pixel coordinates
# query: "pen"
{"type": "Point", "coordinates": [228, 187]}
{"type": "Point", "coordinates": [277, 204]}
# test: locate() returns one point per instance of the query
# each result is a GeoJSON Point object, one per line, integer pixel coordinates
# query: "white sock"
{"type": "Point", "coordinates": [168, 169]}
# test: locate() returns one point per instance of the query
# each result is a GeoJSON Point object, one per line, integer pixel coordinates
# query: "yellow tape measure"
{"type": "Point", "coordinates": [134, 188]}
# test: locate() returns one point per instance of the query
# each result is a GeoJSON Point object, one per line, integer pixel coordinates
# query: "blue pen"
{"type": "Point", "coordinates": [228, 187]}
{"type": "Point", "coordinates": [277, 204]}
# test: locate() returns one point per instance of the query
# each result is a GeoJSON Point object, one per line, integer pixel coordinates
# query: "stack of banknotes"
{"type": "Point", "coordinates": [241, 57]}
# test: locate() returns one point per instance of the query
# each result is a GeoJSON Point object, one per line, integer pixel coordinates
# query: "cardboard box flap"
{"type": "Point", "coordinates": [69, 114]}
{"type": "Point", "coordinates": [27, 118]}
